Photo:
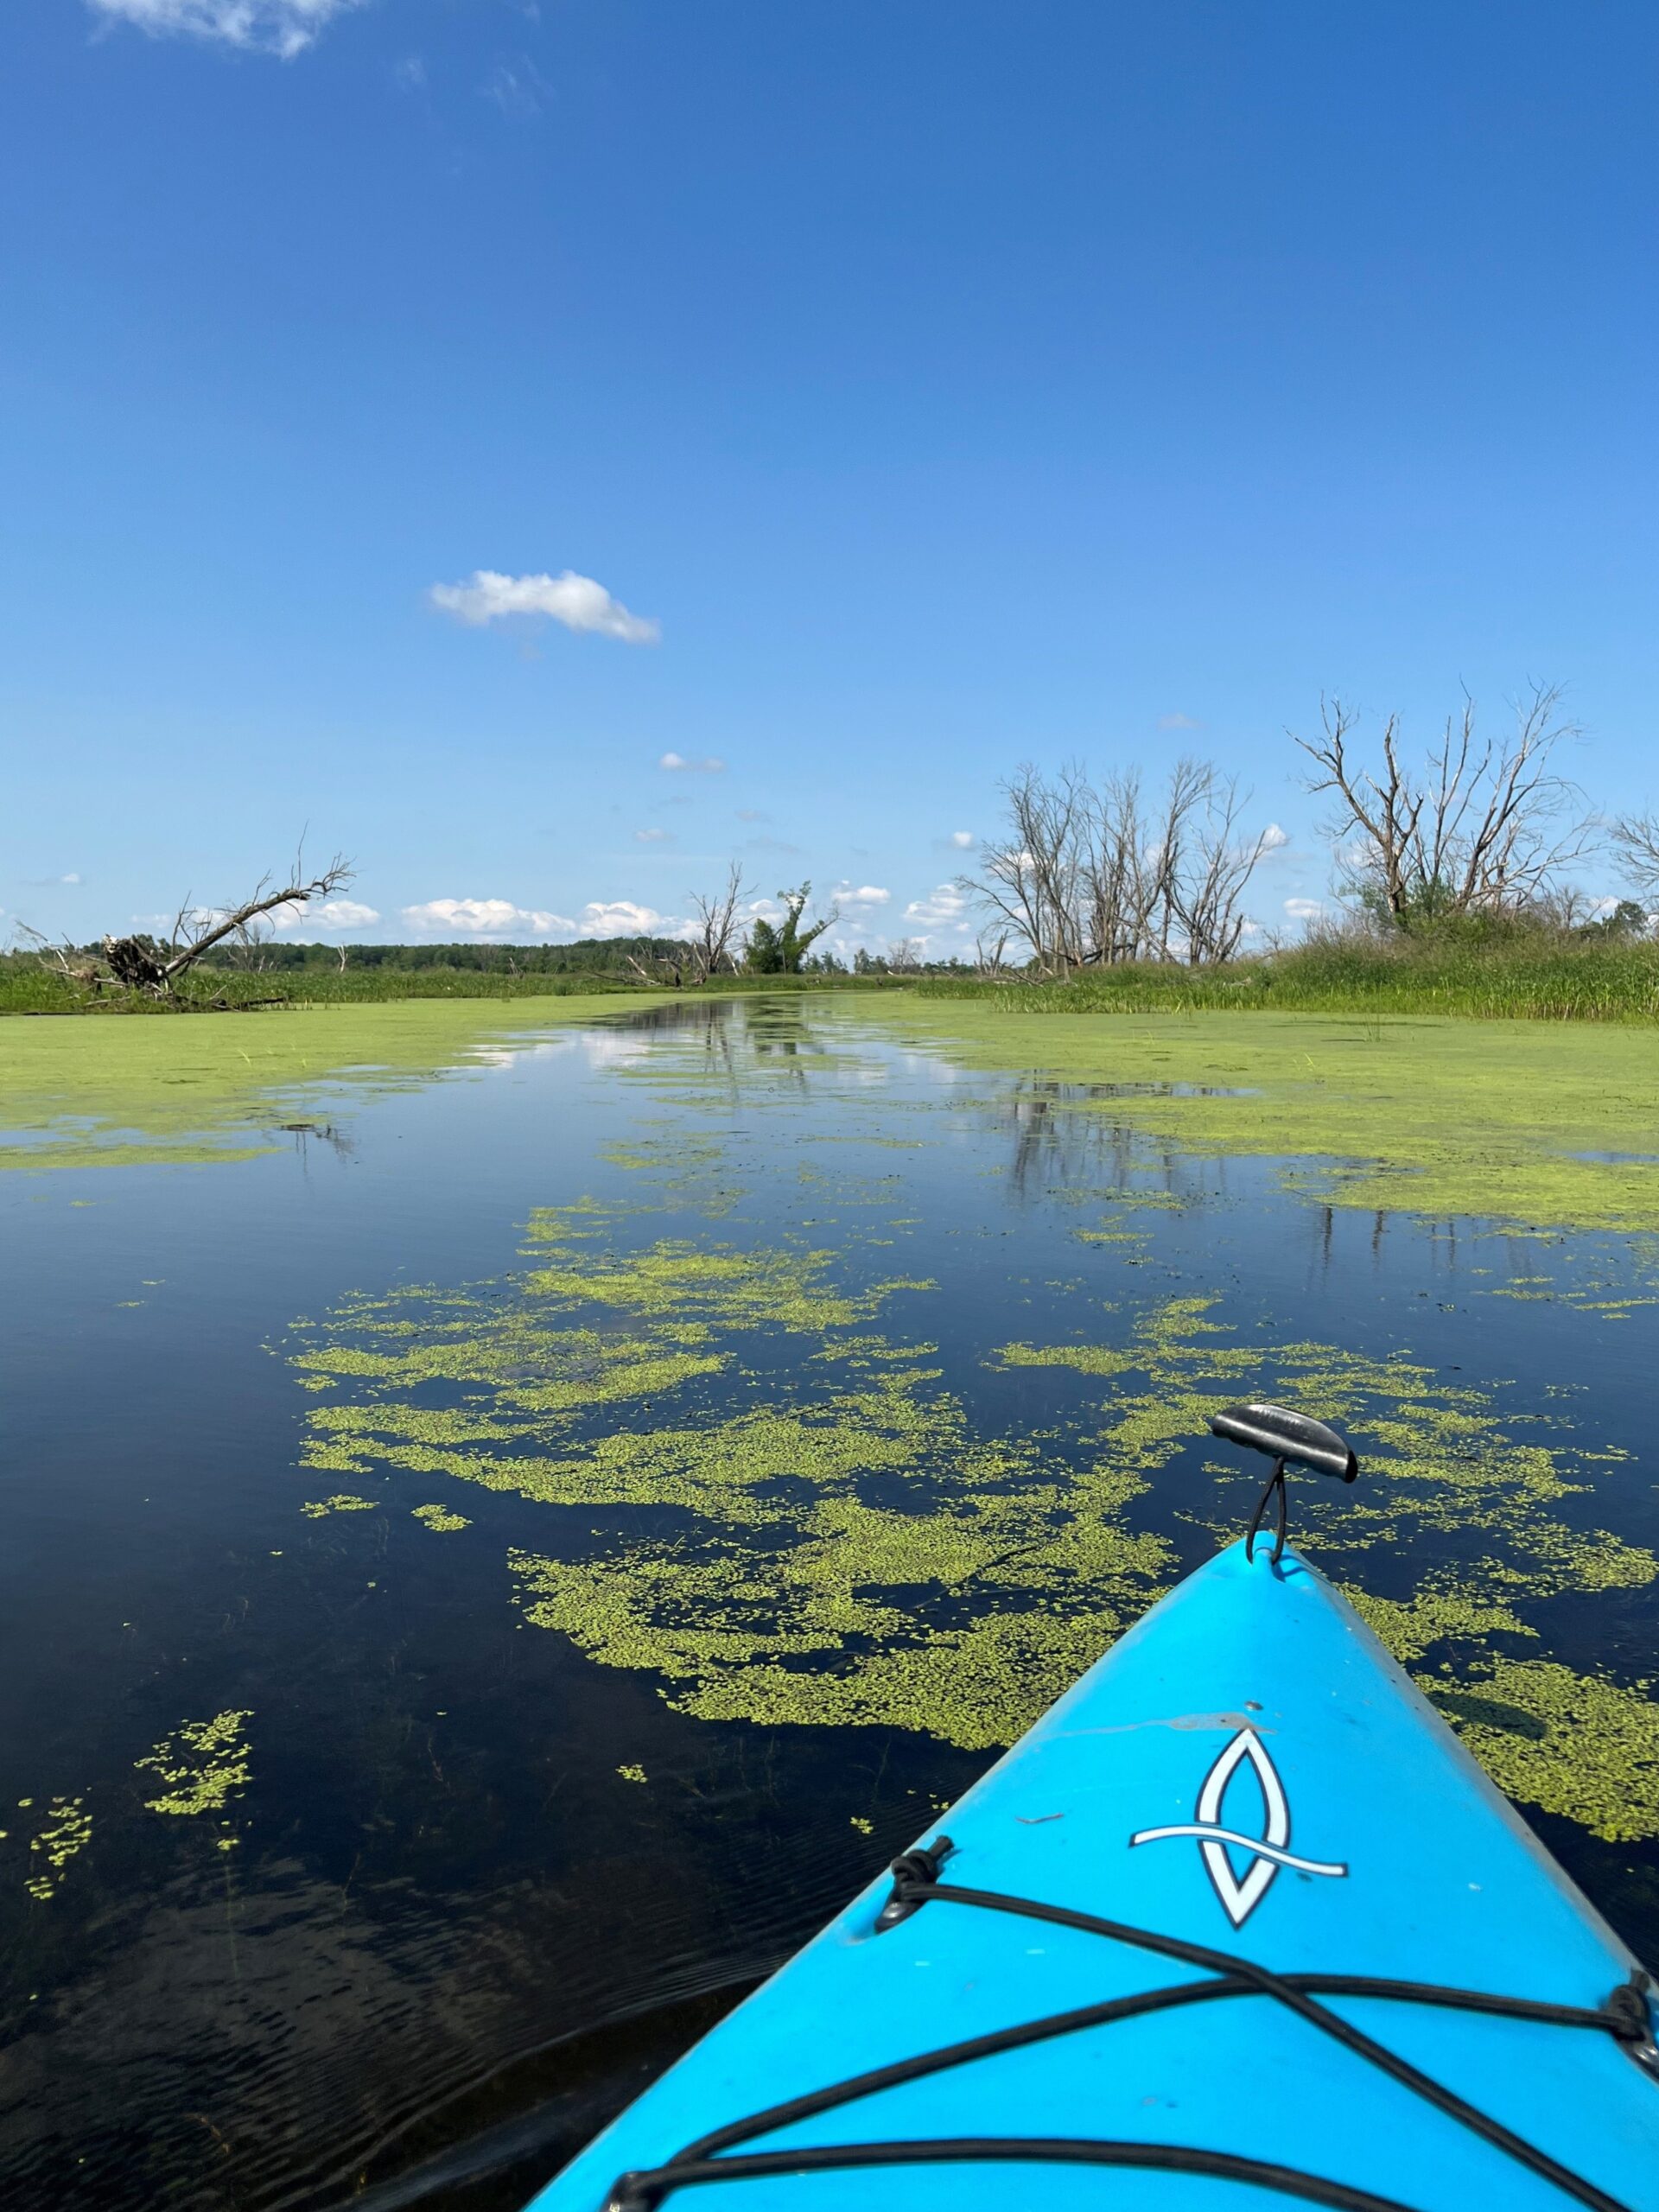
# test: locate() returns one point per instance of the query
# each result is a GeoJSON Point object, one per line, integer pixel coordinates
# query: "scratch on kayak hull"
{"type": "Point", "coordinates": [1176, 1720]}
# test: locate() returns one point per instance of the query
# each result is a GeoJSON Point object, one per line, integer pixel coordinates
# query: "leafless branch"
{"type": "Point", "coordinates": [1480, 828]}
{"type": "Point", "coordinates": [712, 949]}
{"type": "Point", "coordinates": [1089, 876]}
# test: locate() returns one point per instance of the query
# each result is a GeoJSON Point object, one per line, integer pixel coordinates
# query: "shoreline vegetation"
{"type": "Point", "coordinates": [1452, 878]}
{"type": "Point", "coordinates": [1521, 974]}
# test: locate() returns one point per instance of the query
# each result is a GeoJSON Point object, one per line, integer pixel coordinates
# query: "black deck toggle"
{"type": "Point", "coordinates": [921, 1866]}
{"type": "Point", "coordinates": [1296, 1439]}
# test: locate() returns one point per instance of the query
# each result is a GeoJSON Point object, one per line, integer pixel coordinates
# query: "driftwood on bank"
{"type": "Point", "coordinates": [144, 964]}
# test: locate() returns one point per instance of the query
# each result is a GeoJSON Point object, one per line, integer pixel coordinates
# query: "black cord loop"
{"type": "Point", "coordinates": [644, 2191]}
{"type": "Point", "coordinates": [1274, 1489]}
{"type": "Point", "coordinates": [1626, 2016]}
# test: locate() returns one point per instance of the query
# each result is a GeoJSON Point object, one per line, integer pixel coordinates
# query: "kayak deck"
{"type": "Point", "coordinates": [1247, 1772]}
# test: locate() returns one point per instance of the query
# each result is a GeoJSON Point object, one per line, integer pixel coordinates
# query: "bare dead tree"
{"type": "Point", "coordinates": [1635, 838]}
{"type": "Point", "coordinates": [1478, 829]}
{"type": "Point", "coordinates": [196, 930]}
{"type": "Point", "coordinates": [1090, 876]}
{"type": "Point", "coordinates": [249, 947]}
{"type": "Point", "coordinates": [713, 948]}
{"type": "Point", "coordinates": [988, 963]}
{"type": "Point", "coordinates": [905, 956]}
{"type": "Point", "coordinates": [1207, 894]}
{"type": "Point", "coordinates": [662, 970]}
{"type": "Point", "coordinates": [144, 963]}
{"type": "Point", "coordinates": [1032, 878]}
{"type": "Point", "coordinates": [64, 959]}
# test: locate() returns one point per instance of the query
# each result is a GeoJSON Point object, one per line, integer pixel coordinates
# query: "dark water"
{"type": "Point", "coordinates": [435, 1933]}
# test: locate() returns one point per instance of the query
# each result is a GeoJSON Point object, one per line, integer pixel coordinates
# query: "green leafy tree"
{"type": "Point", "coordinates": [779, 950]}
{"type": "Point", "coordinates": [764, 955]}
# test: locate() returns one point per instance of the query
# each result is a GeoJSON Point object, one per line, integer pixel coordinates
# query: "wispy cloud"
{"type": "Point", "coordinates": [653, 837]}
{"type": "Point", "coordinates": [577, 601]}
{"type": "Point", "coordinates": [861, 897]}
{"type": "Point", "coordinates": [1304, 910]}
{"type": "Point", "coordinates": [752, 813]}
{"type": "Point", "coordinates": [1272, 840]}
{"type": "Point", "coordinates": [962, 839]}
{"type": "Point", "coordinates": [409, 74]}
{"type": "Point", "coordinates": [1178, 722]}
{"type": "Point", "coordinates": [677, 765]}
{"type": "Point", "coordinates": [52, 882]}
{"type": "Point", "coordinates": [283, 28]}
{"type": "Point", "coordinates": [485, 917]}
{"type": "Point", "coordinates": [517, 88]}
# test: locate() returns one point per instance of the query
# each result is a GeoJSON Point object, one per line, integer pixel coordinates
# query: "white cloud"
{"type": "Point", "coordinates": [862, 895]}
{"type": "Point", "coordinates": [943, 908]}
{"type": "Point", "coordinates": [676, 764]}
{"type": "Point", "coordinates": [653, 837]}
{"type": "Point", "coordinates": [618, 917]}
{"type": "Point", "coordinates": [962, 839]}
{"type": "Point", "coordinates": [1178, 722]}
{"type": "Point", "coordinates": [333, 914]}
{"type": "Point", "coordinates": [577, 601]}
{"type": "Point", "coordinates": [1272, 838]}
{"type": "Point", "coordinates": [485, 917]}
{"type": "Point", "coordinates": [1304, 910]}
{"type": "Point", "coordinates": [283, 28]}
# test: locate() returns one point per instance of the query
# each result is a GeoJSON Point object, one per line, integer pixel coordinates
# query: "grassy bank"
{"type": "Point", "coordinates": [1531, 978]}
{"type": "Point", "coordinates": [27, 987]}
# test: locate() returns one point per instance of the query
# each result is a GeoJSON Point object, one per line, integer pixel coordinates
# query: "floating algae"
{"type": "Point", "coordinates": [318, 1508]}
{"type": "Point", "coordinates": [1449, 1485]}
{"type": "Point", "coordinates": [797, 1522]}
{"type": "Point", "coordinates": [837, 1540]}
{"type": "Point", "coordinates": [65, 1831]}
{"type": "Point", "coordinates": [103, 1093]}
{"type": "Point", "coordinates": [1527, 1121]}
{"type": "Point", "coordinates": [1578, 1745]}
{"type": "Point", "coordinates": [202, 1765]}
{"type": "Point", "coordinates": [439, 1518]}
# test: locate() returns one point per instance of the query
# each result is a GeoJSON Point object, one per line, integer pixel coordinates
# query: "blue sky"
{"type": "Point", "coordinates": [935, 384]}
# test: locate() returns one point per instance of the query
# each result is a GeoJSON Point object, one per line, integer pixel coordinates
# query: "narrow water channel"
{"type": "Point", "coordinates": [489, 1573]}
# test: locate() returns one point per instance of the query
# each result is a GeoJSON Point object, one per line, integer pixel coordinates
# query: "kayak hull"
{"type": "Point", "coordinates": [1246, 1769]}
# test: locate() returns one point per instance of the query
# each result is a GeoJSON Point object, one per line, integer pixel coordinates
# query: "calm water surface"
{"type": "Point", "coordinates": [355, 1880]}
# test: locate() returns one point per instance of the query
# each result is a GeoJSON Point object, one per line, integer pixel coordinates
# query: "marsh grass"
{"type": "Point", "coordinates": [27, 987]}
{"type": "Point", "coordinates": [1536, 977]}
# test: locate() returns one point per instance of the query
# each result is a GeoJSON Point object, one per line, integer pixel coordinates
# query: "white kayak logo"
{"type": "Point", "coordinates": [1268, 1851]}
